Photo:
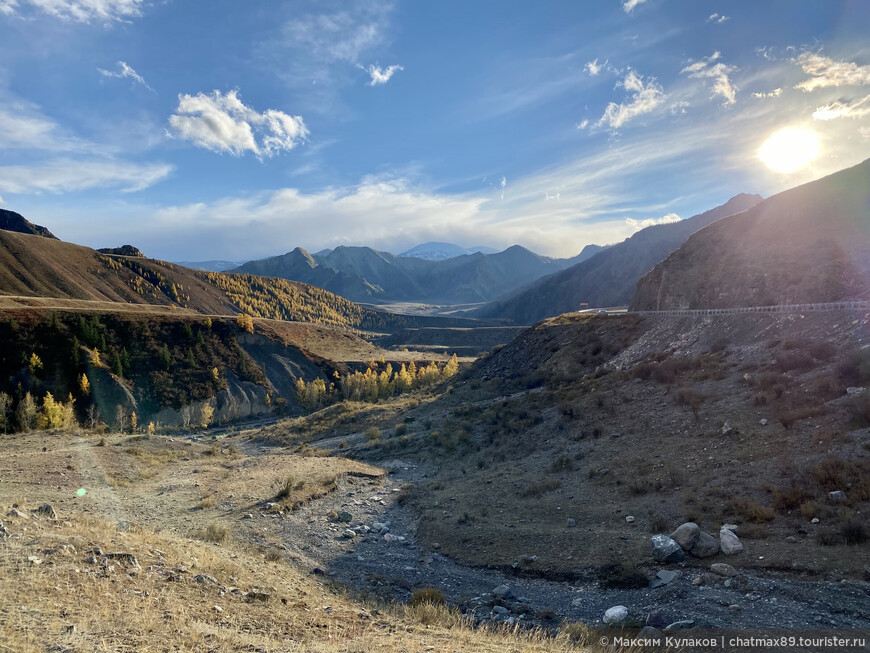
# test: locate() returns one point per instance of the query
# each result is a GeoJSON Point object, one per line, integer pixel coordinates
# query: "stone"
{"type": "Point", "coordinates": [722, 569]}
{"type": "Point", "coordinates": [344, 516]}
{"type": "Point", "coordinates": [656, 619]}
{"type": "Point", "coordinates": [571, 523]}
{"type": "Point", "coordinates": [726, 428]}
{"type": "Point", "coordinates": [630, 519]}
{"type": "Point", "coordinates": [616, 614]}
{"type": "Point", "coordinates": [349, 534]}
{"type": "Point", "coordinates": [706, 546]}
{"type": "Point", "coordinates": [503, 592]}
{"type": "Point", "coordinates": [498, 609]}
{"type": "Point", "coordinates": [814, 520]}
{"type": "Point", "coordinates": [729, 527]}
{"type": "Point", "coordinates": [34, 560]}
{"type": "Point", "coordinates": [686, 535]}
{"type": "Point", "coordinates": [663, 578]}
{"type": "Point", "coordinates": [248, 515]}
{"type": "Point", "coordinates": [389, 538]}
{"type": "Point", "coordinates": [729, 543]}
{"type": "Point", "coordinates": [217, 608]}
{"type": "Point", "coordinates": [734, 608]}
{"type": "Point", "coordinates": [649, 636]}
{"type": "Point", "coordinates": [205, 578]}
{"type": "Point", "coordinates": [854, 391]}
{"type": "Point", "coordinates": [665, 549]}
{"type": "Point", "coordinates": [576, 603]}
{"type": "Point", "coordinates": [126, 558]}
{"type": "Point", "coordinates": [380, 527]}
{"type": "Point", "coordinates": [698, 581]}
{"type": "Point", "coordinates": [837, 496]}
{"type": "Point", "coordinates": [684, 623]}
{"type": "Point", "coordinates": [763, 421]}
{"type": "Point", "coordinates": [46, 510]}
{"type": "Point", "coordinates": [16, 513]}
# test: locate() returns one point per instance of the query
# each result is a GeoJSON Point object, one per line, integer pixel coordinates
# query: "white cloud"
{"type": "Point", "coordinates": [679, 108]}
{"type": "Point", "coordinates": [222, 123]}
{"type": "Point", "coordinates": [63, 175]}
{"type": "Point", "coordinates": [827, 72]}
{"type": "Point", "coordinates": [774, 93]}
{"type": "Point", "coordinates": [381, 75]}
{"type": "Point", "coordinates": [637, 225]}
{"type": "Point", "coordinates": [843, 109]}
{"type": "Point", "coordinates": [81, 11]}
{"type": "Point", "coordinates": [718, 72]}
{"type": "Point", "coordinates": [583, 124]}
{"type": "Point", "coordinates": [503, 184]}
{"type": "Point", "coordinates": [645, 97]}
{"type": "Point", "coordinates": [629, 5]}
{"type": "Point", "coordinates": [716, 18]}
{"type": "Point", "coordinates": [593, 67]}
{"type": "Point", "coordinates": [125, 71]}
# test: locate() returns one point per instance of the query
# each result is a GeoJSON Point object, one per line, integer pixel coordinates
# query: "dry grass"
{"type": "Point", "coordinates": [122, 607]}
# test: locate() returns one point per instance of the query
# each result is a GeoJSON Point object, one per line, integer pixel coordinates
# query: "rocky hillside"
{"type": "Point", "coordinates": [12, 221]}
{"type": "Point", "coordinates": [365, 274]}
{"type": "Point", "coordinates": [609, 278]}
{"type": "Point", "coordinates": [807, 244]}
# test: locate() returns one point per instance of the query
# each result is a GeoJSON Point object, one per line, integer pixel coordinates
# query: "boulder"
{"type": "Point", "coordinates": [837, 496]}
{"type": "Point", "coordinates": [344, 516]}
{"type": "Point", "coordinates": [503, 592]}
{"type": "Point", "coordinates": [722, 569]}
{"type": "Point", "coordinates": [665, 549]}
{"type": "Point", "coordinates": [663, 578]}
{"type": "Point", "coordinates": [706, 546]}
{"type": "Point", "coordinates": [46, 510]}
{"type": "Point", "coordinates": [616, 614]}
{"type": "Point", "coordinates": [349, 534]}
{"type": "Point", "coordinates": [571, 523]}
{"type": "Point", "coordinates": [686, 535]}
{"type": "Point", "coordinates": [729, 542]}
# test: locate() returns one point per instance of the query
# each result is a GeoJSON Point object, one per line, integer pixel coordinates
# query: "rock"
{"type": "Point", "coordinates": [729, 527]}
{"type": "Point", "coordinates": [763, 421]}
{"type": "Point", "coordinates": [686, 535]}
{"type": "Point", "coordinates": [698, 581]}
{"type": "Point", "coordinates": [616, 614]}
{"type": "Point", "coordinates": [571, 523]}
{"type": "Point", "coordinates": [656, 619]}
{"type": "Point", "coordinates": [389, 538]}
{"type": "Point", "coordinates": [16, 513]}
{"type": "Point", "coordinates": [722, 569]}
{"type": "Point", "coordinates": [248, 515]}
{"type": "Point", "coordinates": [576, 603]}
{"type": "Point", "coordinates": [71, 629]}
{"type": "Point", "coordinates": [649, 636]}
{"type": "Point", "coordinates": [685, 623]}
{"type": "Point", "coordinates": [205, 578]}
{"type": "Point", "coordinates": [791, 539]}
{"type": "Point", "coordinates": [349, 534]}
{"type": "Point", "coordinates": [706, 546]}
{"type": "Point", "coordinates": [503, 592]}
{"type": "Point", "coordinates": [435, 546]}
{"type": "Point", "coordinates": [34, 560]}
{"type": "Point", "coordinates": [126, 558]}
{"type": "Point", "coordinates": [498, 609]}
{"type": "Point", "coordinates": [217, 608]}
{"type": "Point", "coordinates": [734, 608]}
{"type": "Point", "coordinates": [726, 428]}
{"type": "Point", "coordinates": [380, 527]}
{"type": "Point", "coordinates": [729, 543]}
{"type": "Point", "coordinates": [854, 391]}
{"type": "Point", "coordinates": [663, 578]}
{"type": "Point", "coordinates": [837, 496]}
{"type": "Point", "coordinates": [47, 511]}
{"type": "Point", "coordinates": [97, 551]}
{"type": "Point", "coordinates": [257, 595]}
{"type": "Point", "coordinates": [814, 520]}
{"type": "Point", "coordinates": [344, 516]}
{"type": "Point", "coordinates": [630, 519]}
{"type": "Point", "coordinates": [665, 549]}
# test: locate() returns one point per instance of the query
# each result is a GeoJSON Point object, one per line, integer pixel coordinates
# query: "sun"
{"type": "Point", "coordinates": [789, 150]}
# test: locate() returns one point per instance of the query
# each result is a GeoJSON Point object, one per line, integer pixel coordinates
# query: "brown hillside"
{"type": "Point", "coordinates": [807, 244]}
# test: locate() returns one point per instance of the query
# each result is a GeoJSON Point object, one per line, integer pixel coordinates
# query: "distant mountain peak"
{"type": "Point", "coordinates": [12, 221]}
{"type": "Point", "coordinates": [436, 251]}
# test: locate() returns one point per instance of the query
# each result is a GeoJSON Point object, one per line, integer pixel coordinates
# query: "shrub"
{"type": "Point", "coordinates": [691, 398]}
{"type": "Point", "coordinates": [373, 434]}
{"type": "Point", "coordinates": [274, 555]}
{"type": "Point", "coordinates": [563, 463]}
{"type": "Point", "coordinates": [427, 595]}
{"type": "Point", "coordinates": [750, 510]}
{"type": "Point", "coordinates": [769, 379]}
{"type": "Point", "coordinates": [541, 488]}
{"type": "Point", "coordinates": [785, 499]}
{"type": "Point", "coordinates": [285, 486]}
{"type": "Point", "coordinates": [577, 633]}
{"type": "Point", "coordinates": [401, 429]}
{"type": "Point", "coordinates": [216, 533]}
{"type": "Point", "coordinates": [854, 531]}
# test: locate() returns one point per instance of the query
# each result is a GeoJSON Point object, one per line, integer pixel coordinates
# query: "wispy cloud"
{"type": "Point", "coordinates": [124, 71]}
{"type": "Point", "coordinates": [718, 72]}
{"type": "Point", "coordinates": [81, 11]}
{"type": "Point", "coordinates": [64, 175]}
{"type": "Point", "coordinates": [593, 67]}
{"type": "Point", "coordinates": [774, 93]}
{"type": "Point", "coordinates": [717, 18]}
{"type": "Point", "coordinates": [629, 5]}
{"type": "Point", "coordinates": [637, 225]}
{"type": "Point", "coordinates": [381, 75]}
{"type": "Point", "coordinates": [826, 72]}
{"type": "Point", "coordinates": [645, 97]}
{"type": "Point", "coordinates": [222, 123]}
{"type": "Point", "coordinates": [843, 109]}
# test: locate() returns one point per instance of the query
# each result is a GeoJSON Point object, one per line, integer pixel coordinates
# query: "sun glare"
{"type": "Point", "coordinates": [789, 150]}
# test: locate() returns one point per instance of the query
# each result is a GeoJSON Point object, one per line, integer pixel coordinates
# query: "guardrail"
{"type": "Point", "coordinates": [779, 308]}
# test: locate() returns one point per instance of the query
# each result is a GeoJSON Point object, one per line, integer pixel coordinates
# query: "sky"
{"type": "Point", "coordinates": [238, 130]}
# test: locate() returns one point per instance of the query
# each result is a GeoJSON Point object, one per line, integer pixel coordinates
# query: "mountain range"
{"type": "Point", "coordinates": [805, 245]}
{"type": "Point", "coordinates": [609, 278]}
{"type": "Point", "coordinates": [364, 274]}
{"type": "Point", "coordinates": [435, 251]}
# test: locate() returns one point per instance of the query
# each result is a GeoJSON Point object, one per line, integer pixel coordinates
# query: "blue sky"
{"type": "Point", "coordinates": [239, 130]}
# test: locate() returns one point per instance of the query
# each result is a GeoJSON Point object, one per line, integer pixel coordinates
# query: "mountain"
{"type": "Point", "coordinates": [435, 251]}
{"type": "Point", "coordinates": [211, 266]}
{"type": "Point", "coordinates": [482, 249]}
{"type": "Point", "coordinates": [12, 221]}
{"type": "Point", "coordinates": [805, 245]}
{"type": "Point", "coordinates": [609, 277]}
{"type": "Point", "coordinates": [367, 275]}
{"type": "Point", "coordinates": [36, 266]}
